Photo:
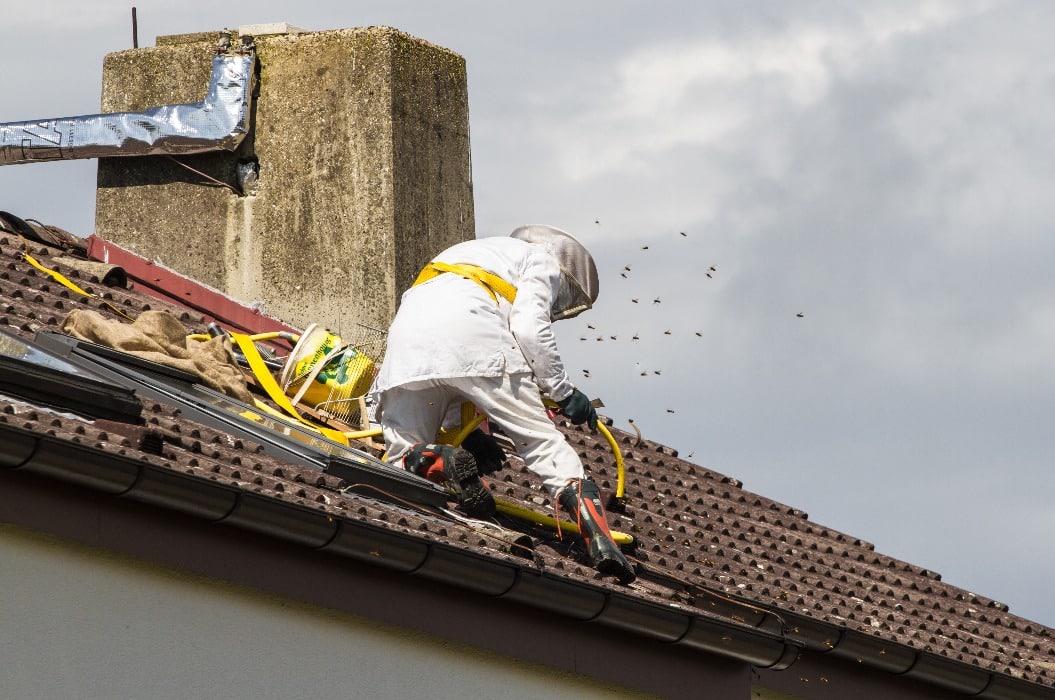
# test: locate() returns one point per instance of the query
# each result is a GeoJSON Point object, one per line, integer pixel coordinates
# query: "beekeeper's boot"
{"type": "Point", "coordinates": [454, 469]}
{"type": "Point", "coordinates": [582, 500]}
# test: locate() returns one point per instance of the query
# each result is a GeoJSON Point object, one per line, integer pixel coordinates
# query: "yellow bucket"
{"type": "Point", "coordinates": [333, 370]}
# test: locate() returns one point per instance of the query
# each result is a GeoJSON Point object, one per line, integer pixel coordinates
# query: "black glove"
{"type": "Point", "coordinates": [488, 453]}
{"type": "Point", "coordinates": [578, 409]}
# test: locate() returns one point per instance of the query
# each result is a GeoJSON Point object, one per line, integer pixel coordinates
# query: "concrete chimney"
{"type": "Point", "coordinates": [361, 142]}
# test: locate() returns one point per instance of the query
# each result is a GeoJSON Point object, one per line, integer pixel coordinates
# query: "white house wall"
{"type": "Point", "coordinates": [77, 622]}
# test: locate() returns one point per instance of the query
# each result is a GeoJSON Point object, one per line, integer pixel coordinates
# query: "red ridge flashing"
{"type": "Point", "coordinates": [160, 282]}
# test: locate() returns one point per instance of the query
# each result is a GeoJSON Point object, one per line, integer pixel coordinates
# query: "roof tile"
{"type": "Point", "coordinates": [706, 542]}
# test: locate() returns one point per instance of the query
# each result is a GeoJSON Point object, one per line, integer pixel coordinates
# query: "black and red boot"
{"type": "Point", "coordinates": [582, 500]}
{"type": "Point", "coordinates": [455, 469]}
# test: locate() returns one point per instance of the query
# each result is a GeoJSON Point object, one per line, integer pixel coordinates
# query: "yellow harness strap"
{"type": "Point", "coordinates": [495, 285]}
{"type": "Point", "coordinates": [65, 281]}
{"type": "Point", "coordinates": [267, 383]}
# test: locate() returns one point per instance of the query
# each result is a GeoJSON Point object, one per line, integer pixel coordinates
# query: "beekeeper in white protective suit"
{"type": "Point", "coordinates": [476, 327]}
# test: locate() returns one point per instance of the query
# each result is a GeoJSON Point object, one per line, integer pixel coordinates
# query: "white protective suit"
{"type": "Point", "coordinates": [452, 341]}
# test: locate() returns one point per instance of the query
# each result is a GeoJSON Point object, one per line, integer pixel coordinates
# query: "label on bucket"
{"type": "Point", "coordinates": [344, 368]}
{"type": "Point", "coordinates": [324, 348]}
{"type": "Point", "coordinates": [339, 372]}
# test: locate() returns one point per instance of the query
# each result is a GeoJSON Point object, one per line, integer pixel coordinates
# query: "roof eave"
{"type": "Point", "coordinates": [509, 579]}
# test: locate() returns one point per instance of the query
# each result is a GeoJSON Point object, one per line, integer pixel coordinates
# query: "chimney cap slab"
{"type": "Point", "coordinates": [269, 28]}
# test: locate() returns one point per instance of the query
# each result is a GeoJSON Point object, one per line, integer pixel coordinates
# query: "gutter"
{"type": "Point", "coordinates": [219, 122]}
{"type": "Point", "coordinates": [139, 480]}
{"type": "Point", "coordinates": [156, 485]}
{"type": "Point", "coordinates": [919, 664]}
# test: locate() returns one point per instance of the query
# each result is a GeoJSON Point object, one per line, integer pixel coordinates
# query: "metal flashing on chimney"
{"type": "Point", "coordinates": [219, 122]}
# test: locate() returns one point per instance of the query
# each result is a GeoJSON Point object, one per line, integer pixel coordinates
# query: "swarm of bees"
{"type": "Point", "coordinates": [626, 272]}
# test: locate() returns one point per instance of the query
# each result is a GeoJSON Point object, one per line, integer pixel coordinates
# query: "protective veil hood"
{"type": "Point", "coordinates": [578, 289]}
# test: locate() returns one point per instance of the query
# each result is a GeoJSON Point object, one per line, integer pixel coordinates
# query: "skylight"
{"type": "Point", "coordinates": [34, 374]}
{"type": "Point", "coordinates": [278, 437]}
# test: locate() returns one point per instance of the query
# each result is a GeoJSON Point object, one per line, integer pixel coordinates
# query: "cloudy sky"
{"type": "Point", "coordinates": [870, 181]}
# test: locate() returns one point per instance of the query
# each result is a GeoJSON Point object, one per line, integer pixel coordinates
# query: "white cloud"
{"type": "Point", "coordinates": [697, 93]}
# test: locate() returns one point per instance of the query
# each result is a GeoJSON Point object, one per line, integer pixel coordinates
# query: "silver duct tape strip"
{"type": "Point", "coordinates": [219, 122]}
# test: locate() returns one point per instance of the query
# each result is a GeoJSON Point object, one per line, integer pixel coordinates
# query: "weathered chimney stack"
{"type": "Point", "coordinates": [361, 141]}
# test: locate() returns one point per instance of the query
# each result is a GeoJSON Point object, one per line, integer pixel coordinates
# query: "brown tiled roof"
{"type": "Point", "coordinates": [704, 527]}
{"type": "Point", "coordinates": [704, 544]}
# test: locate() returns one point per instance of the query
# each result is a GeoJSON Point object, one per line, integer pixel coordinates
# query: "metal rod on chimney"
{"type": "Point", "coordinates": [135, 29]}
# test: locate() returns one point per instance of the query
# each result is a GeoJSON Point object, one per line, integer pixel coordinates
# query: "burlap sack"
{"type": "Point", "coordinates": [158, 336]}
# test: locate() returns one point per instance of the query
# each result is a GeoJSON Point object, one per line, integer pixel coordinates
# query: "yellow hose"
{"type": "Point", "coordinates": [470, 421]}
{"type": "Point", "coordinates": [444, 438]}
{"type": "Point", "coordinates": [270, 335]}
{"type": "Point", "coordinates": [361, 434]}
{"type": "Point", "coordinates": [620, 468]}
{"type": "Point", "coordinates": [521, 513]}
